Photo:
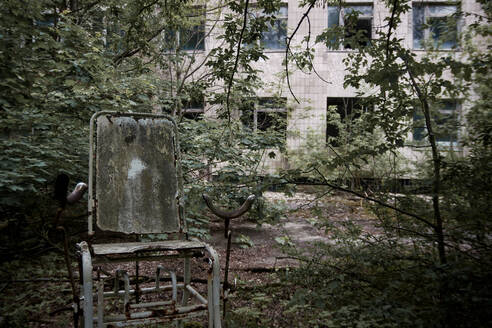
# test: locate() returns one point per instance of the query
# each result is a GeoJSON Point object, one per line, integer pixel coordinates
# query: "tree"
{"type": "Point", "coordinates": [427, 232]}
{"type": "Point", "coordinates": [61, 62]}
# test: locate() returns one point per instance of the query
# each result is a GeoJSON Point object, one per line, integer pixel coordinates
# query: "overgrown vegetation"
{"type": "Point", "coordinates": [430, 266]}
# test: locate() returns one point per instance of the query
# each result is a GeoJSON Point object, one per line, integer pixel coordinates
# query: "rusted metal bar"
{"type": "Point", "coordinates": [174, 283]}
{"type": "Point", "coordinates": [75, 297]}
{"type": "Point", "coordinates": [210, 298]}
{"type": "Point", "coordinates": [149, 314]}
{"type": "Point", "coordinates": [197, 295]}
{"type": "Point", "coordinates": [87, 295]}
{"type": "Point", "coordinates": [150, 258]}
{"type": "Point", "coordinates": [123, 274]}
{"type": "Point", "coordinates": [137, 294]}
{"type": "Point", "coordinates": [215, 269]}
{"type": "Point", "coordinates": [225, 287]}
{"type": "Point", "coordinates": [229, 214]}
{"type": "Point", "coordinates": [150, 304]}
{"type": "Point", "coordinates": [146, 290]}
{"type": "Point", "coordinates": [187, 280]}
{"type": "Point", "coordinates": [153, 320]}
{"type": "Point", "coordinates": [100, 303]}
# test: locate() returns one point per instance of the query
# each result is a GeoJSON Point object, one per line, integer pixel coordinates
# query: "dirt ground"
{"type": "Point", "coordinates": [255, 255]}
{"type": "Point", "coordinates": [298, 225]}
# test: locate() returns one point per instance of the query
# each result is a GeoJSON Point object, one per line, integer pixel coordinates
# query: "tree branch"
{"type": "Point", "coordinates": [287, 48]}
{"type": "Point", "coordinates": [390, 26]}
{"type": "Point", "coordinates": [245, 19]}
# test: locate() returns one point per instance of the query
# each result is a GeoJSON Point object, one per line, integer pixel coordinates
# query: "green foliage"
{"type": "Point", "coordinates": [26, 301]}
{"type": "Point", "coordinates": [61, 64]}
{"type": "Point", "coordinates": [398, 277]}
{"type": "Point", "coordinates": [57, 72]}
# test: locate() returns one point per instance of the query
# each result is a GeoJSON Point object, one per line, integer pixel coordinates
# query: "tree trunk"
{"type": "Point", "coordinates": [436, 161]}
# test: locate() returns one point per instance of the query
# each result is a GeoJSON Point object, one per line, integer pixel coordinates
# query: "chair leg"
{"type": "Point", "coordinates": [100, 303]}
{"type": "Point", "coordinates": [210, 298]}
{"type": "Point", "coordinates": [215, 285]}
{"type": "Point", "coordinates": [87, 285]}
{"type": "Point", "coordinates": [187, 280]}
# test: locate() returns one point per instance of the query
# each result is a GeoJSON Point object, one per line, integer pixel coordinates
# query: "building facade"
{"type": "Point", "coordinates": [321, 91]}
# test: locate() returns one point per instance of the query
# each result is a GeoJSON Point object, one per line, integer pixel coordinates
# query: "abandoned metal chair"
{"type": "Point", "coordinates": [135, 188]}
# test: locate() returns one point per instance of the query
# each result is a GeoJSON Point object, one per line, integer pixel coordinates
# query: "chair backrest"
{"type": "Point", "coordinates": [135, 183]}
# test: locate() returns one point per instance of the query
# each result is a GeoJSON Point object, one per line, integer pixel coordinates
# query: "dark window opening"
{"type": "Point", "coordinates": [356, 21]}
{"type": "Point", "coordinates": [361, 29]}
{"type": "Point", "coordinates": [193, 108]}
{"type": "Point", "coordinates": [340, 112]}
{"type": "Point", "coordinates": [275, 37]}
{"type": "Point", "coordinates": [195, 115]}
{"type": "Point", "coordinates": [188, 37]}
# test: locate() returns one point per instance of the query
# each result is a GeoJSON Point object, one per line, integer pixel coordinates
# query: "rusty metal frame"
{"type": "Point", "coordinates": [88, 296]}
{"type": "Point", "coordinates": [149, 313]}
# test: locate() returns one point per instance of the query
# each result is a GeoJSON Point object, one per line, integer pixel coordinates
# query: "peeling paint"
{"type": "Point", "coordinates": [136, 176]}
{"type": "Point", "coordinates": [136, 168]}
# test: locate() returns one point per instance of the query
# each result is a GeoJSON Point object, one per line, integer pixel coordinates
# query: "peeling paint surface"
{"type": "Point", "coordinates": [136, 167]}
{"type": "Point", "coordinates": [136, 178]}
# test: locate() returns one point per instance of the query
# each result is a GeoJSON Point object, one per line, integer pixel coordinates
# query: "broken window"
{"type": "Point", "coordinates": [445, 123]}
{"type": "Point", "coordinates": [339, 116]}
{"type": "Point", "coordinates": [356, 21]}
{"type": "Point", "coordinates": [436, 24]}
{"type": "Point", "coordinates": [266, 114]}
{"type": "Point", "coordinates": [189, 36]}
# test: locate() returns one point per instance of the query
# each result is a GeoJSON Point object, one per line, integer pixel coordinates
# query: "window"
{"type": "Point", "coordinates": [356, 21]}
{"type": "Point", "coordinates": [275, 35]}
{"type": "Point", "coordinates": [190, 35]}
{"type": "Point", "coordinates": [266, 114]}
{"type": "Point", "coordinates": [435, 24]}
{"type": "Point", "coordinates": [340, 113]}
{"type": "Point", "coordinates": [193, 108]}
{"type": "Point", "coordinates": [445, 123]}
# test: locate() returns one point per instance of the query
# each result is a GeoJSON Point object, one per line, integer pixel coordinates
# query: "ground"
{"type": "Point", "coordinates": [36, 288]}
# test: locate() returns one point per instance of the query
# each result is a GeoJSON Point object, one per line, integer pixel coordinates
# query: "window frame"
{"type": "Point", "coordinates": [256, 12]}
{"type": "Point", "coordinates": [259, 108]}
{"type": "Point", "coordinates": [176, 45]}
{"type": "Point", "coordinates": [426, 32]}
{"type": "Point", "coordinates": [454, 113]}
{"type": "Point", "coordinates": [341, 21]}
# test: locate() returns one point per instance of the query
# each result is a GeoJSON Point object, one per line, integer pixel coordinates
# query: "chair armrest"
{"type": "Point", "coordinates": [230, 214]}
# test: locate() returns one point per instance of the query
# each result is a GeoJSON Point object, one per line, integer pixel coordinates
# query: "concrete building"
{"type": "Point", "coordinates": [323, 90]}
